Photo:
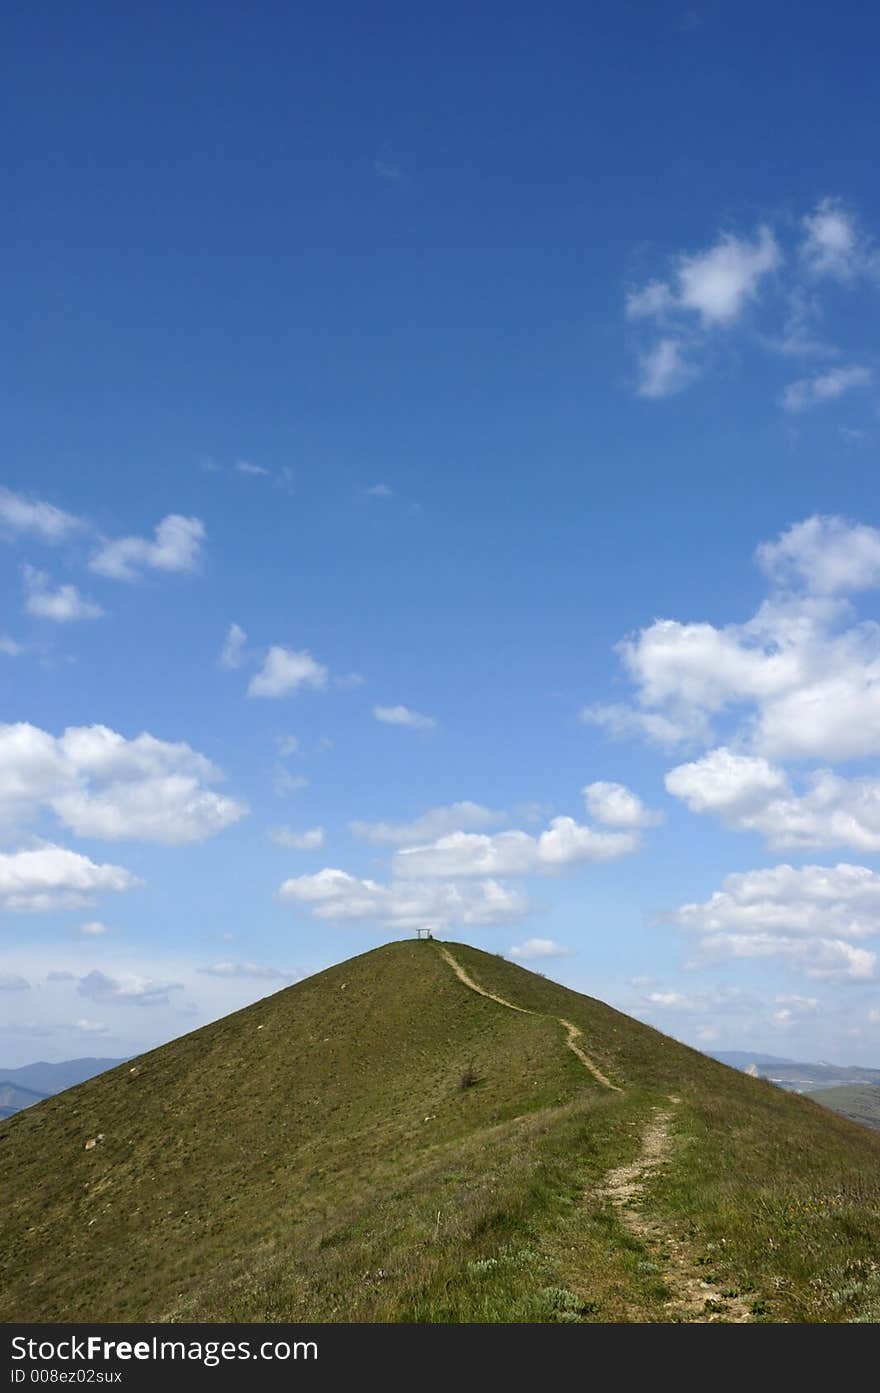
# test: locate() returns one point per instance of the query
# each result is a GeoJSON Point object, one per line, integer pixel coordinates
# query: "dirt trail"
{"type": "Point", "coordinates": [572, 1033]}
{"type": "Point", "coordinates": [694, 1299]}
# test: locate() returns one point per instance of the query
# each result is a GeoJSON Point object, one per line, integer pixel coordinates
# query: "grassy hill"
{"type": "Point", "coordinates": [858, 1101]}
{"type": "Point", "coordinates": [382, 1143]}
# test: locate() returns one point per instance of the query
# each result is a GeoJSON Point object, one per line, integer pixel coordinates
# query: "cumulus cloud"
{"type": "Point", "coordinates": [312, 839]}
{"type": "Point", "coordinates": [564, 843]}
{"type": "Point", "coordinates": [256, 471]}
{"type": "Point", "coordinates": [232, 654]}
{"type": "Point", "coordinates": [8, 647]}
{"type": "Point", "coordinates": [403, 716]}
{"type": "Point", "coordinates": [33, 516]}
{"type": "Point", "coordinates": [824, 555]}
{"type": "Point", "coordinates": [751, 794]}
{"type": "Point", "coordinates": [380, 491]}
{"type": "Point", "coordinates": [99, 784]}
{"type": "Point", "coordinates": [823, 387]}
{"type": "Point", "coordinates": [615, 805]}
{"type": "Point", "coordinates": [709, 292]}
{"type": "Point", "coordinates": [716, 284]}
{"type": "Point", "coordinates": [834, 245]}
{"type": "Point", "coordinates": [285, 672]}
{"type": "Point", "coordinates": [175, 546]}
{"type": "Point", "coordinates": [88, 1027]}
{"type": "Point", "coordinates": [126, 990]}
{"type": "Point", "coordinates": [724, 782]}
{"type": "Point", "coordinates": [801, 678]}
{"type": "Point", "coordinates": [436, 822]}
{"type": "Point", "coordinates": [536, 948]}
{"type": "Point", "coordinates": [335, 895]}
{"type": "Point", "coordinates": [814, 917]}
{"type": "Point", "coordinates": [51, 877]}
{"type": "Point", "coordinates": [62, 604]}
{"type": "Point", "coordinates": [664, 370]}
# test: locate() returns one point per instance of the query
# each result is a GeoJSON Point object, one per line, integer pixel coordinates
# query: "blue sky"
{"type": "Point", "coordinates": [438, 487]}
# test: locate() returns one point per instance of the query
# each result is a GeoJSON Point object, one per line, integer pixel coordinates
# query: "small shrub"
{"type": "Point", "coordinates": [469, 1078]}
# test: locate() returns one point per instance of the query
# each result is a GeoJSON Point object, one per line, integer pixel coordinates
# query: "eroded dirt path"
{"type": "Point", "coordinates": [572, 1033]}
{"type": "Point", "coordinates": [693, 1299]}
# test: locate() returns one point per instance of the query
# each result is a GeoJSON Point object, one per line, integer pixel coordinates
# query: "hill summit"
{"type": "Point", "coordinates": [428, 1132]}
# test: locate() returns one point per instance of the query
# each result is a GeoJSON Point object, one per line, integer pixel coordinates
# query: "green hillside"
{"type": "Point", "coordinates": [858, 1101]}
{"type": "Point", "coordinates": [382, 1143]}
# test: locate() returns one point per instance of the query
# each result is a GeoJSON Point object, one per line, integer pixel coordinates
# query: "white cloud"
{"type": "Point", "coordinates": [834, 245]}
{"type": "Point", "coordinates": [824, 387]}
{"type": "Point", "coordinates": [286, 783]}
{"type": "Point", "coordinates": [99, 784]}
{"type": "Point", "coordinates": [536, 948]}
{"type": "Point", "coordinates": [51, 877]}
{"type": "Point", "coordinates": [257, 471]}
{"type": "Point", "coordinates": [615, 805]}
{"type": "Point", "coordinates": [825, 555]}
{"type": "Point", "coordinates": [8, 647]}
{"type": "Point", "coordinates": [19, 514]}
{"type": "Point", "coordinates": [436, 822]}
{"type": "Point", "coordinates": [403, 716]}
{"type": "Point", "coordinates": [380, 491]}
{"type": "Point", "coordinates": [232, 654]}
{"type": "Point", "coordinates": [800, 679]}
{"type": "Point", "coordinates": [62, 605]}
{"type": "Point", "coordinates": [12, 982]}
{"type": "Point", "coordinates": [288, 745]}
{"type": "Point", "coordinates": [310, 840]}
{"type": "Point", "coordinates": [791, 1009]}
{"type": "Point", "coordinates": [750, 794]}
{"type": "Point", "coordinates": [655, 298]}
{"type": "Point", "coordinates": [564, 843]}
{"type": "Point", "coordinates": [93, 928]}
{"type": "Point", "coordinates": [622, 721]}
{"type": "Point", "coordinates": [251, 970]}
{"type": "Point", "coordinates": [88, 1027]}
{"type": "Point", "coordinates": [176, 546]}
{"type": "Point", "coordinates": [716, 284]}
{"type": "Point", "coordinates": [129, 989]}
{"type": "Point", "coordinates": [285, 671]}
{"type": "Point", "coordinates": [664, 370]}
{"type": "Point", "coordinates": [335, 895]}
{"type": "Point", "coordinates": [812, 916]}
{"type": "Point", "coordinates": [723, 782]}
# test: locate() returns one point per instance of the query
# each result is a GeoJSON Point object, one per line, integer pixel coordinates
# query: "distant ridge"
{"type": "Point", "coordinates": [797, 1075]}
{"type": "Point", "coordinates": [52, 1078]}
{"type": "Point", "coordinates": [13, 1098]}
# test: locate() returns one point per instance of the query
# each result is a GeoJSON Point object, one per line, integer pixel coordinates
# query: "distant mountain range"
{"type": "Point", "coordinates": [21, 1088]}
{"type": "Point", "coordinates": [795, 1075]}
{"type": "Point", "coordinates": [849, 1090]}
